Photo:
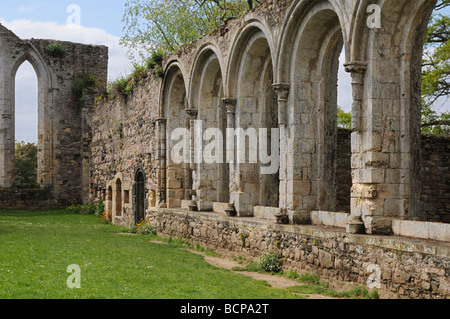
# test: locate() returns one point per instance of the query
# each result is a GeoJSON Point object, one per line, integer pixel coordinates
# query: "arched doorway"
{"type": "Point", "coordinates": [118, 199]}
{"type": "Point", "coordinates": [139, 197]}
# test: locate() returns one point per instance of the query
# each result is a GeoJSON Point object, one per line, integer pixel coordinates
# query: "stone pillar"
{"type": "Point", "coordinates": [7, 132]}
{"type": "Point", "coordinates": [190, 124]}
{"type": "Point", "coordinates": [162, 182]}
{"type": "Point", "coordinates": [223, 191]}
{"type": "Point", "coordinates": [357, 70]}
{"type": "Point", "coordinates": [283, 89]}
{"type": "Point", "coordinates": [370, 163]}
{"type": "Point", "coordinates": [237, 199]}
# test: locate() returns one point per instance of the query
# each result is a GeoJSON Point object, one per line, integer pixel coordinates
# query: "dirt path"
{"type": "Point", "coordinates": [275, 281]}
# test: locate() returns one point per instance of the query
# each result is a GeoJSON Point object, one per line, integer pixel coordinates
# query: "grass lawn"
{"type": "Point", "coordinates": [37, 247]}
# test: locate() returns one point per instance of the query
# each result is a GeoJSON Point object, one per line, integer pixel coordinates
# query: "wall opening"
{"type": "Point", "coordinates": [118, 199]}
{"type": "Point", "coordinates": [344, 149]}
{"type": "Point", "coordinates": [257, 108]}
{"type": "Point", "coordinates": [314, 97]}
{"type": "Point", "coordinates": [177, 173]}
{"type": "Point", "coordinates": [211, 176]}
{"type": "Point", "coordinates": [26, 127]}
{"type": "Point", "coordinates": [139, 197]}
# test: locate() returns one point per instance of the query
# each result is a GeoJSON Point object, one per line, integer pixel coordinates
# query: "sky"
{"type": "Point", "coordinates": [99, 23]}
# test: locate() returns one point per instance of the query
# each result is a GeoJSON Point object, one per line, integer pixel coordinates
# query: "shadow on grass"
{"type": "Point", "coordinates": [33, 213]}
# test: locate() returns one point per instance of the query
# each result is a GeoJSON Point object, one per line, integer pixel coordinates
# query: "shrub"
{"type": "Point", "coordinates": [270, 262]}
{"type": "Point", "coordinates": [106, 218]}
{"type": "Point", "coordinates": [75, 208]}
{"type": "Point", "coordinates": [26, 165]}
{"type": "Point", "coordinates": [100, 209]}
{"type": "Point", "coordinates": [88, 209]}
{"type": "Point", "coordinates": [82, 82]}
{"type": "Point", "coordinates": [145, 228]}
{"type": "Point", "coordinates": [56, 49]}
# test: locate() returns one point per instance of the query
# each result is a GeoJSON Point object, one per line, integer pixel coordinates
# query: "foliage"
{"type": "Point", "coordinates": [80, 209]}
{"type": "Point", "coordinates": [270, 262]}
{"type": "Point", "coordinates": [100, 208]}
{"type": "Point", "coordinates": [26, 165]}
{"type": "Point", "coordinates": [124, 85]}
{"type": "Point", "coordinates": [56, 49]}
{"type": "Point", "coordinates": [170, 24]}
{"type": "Point", "coordinates": [436, 72]}
{"type": "Point", "coordinates": [81, 83]}
{"type": "Point", "coordinates": [145, 228]}
{"type": "Point", "coordinates": [344, 119]}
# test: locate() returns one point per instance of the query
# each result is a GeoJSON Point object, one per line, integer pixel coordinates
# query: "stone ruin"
{"type": "Point", "coordinates": [340, 202]}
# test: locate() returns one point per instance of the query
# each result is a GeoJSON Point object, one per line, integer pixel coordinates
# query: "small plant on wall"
{"type": "Point", "coordinates": [56, 49]}
{"type": "Point", "coordinates": [82, 82]}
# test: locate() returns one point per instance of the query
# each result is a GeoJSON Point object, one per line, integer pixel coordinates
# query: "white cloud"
{"type": "Point", "coordinates": [26, 83]}
{"type": "Point", "coordinates": [119, 64]}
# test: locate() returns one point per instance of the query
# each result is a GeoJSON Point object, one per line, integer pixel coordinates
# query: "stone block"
{"type": "Point", "coordinates": [378, 225]}
{"type": "Point", "coordinates": [268, 213]}
{"type": "Point", "coordinates": [299, 217]}
{"type": "Point", "coordinates": [372, 175]}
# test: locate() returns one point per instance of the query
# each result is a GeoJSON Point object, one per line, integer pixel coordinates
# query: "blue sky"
{"type": "Point", "coordinates": [100, 14]}
{"type": "Point", "coordinates": [100, 23]}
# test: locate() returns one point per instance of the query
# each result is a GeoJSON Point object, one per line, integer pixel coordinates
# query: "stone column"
{"type": "Point", "coordinates": [357, 71]}
{"type": "Point", "coordinates": [223, 192]}
{"type": "Point", "coordinates": [283, 89]}
{"type": "Point", "coordinates": [192, 116]}
{"type": "Point", "coordinates": [230, 156]}
{"type": "Point", "coordinates": [370, 161]}
{"type": "Point", "coordinates": [7, 132]}
{"type": "Point", "coordinates": [162, 183]}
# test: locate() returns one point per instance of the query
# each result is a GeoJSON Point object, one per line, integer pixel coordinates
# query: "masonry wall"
{"type": "Point", "coordinates": [125, 140]}
{"type": "Point", "coordinates": [63, 119]}
{"type": "Point", "coordinates": [409, 269]}
{"type": "Point", "coordinates": [435, 194]}
{"type": "Point", "coordinates": [435, 171]}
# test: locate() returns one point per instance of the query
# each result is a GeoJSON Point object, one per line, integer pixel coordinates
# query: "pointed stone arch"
{"type": "Point", "coordinates": [211, 175]}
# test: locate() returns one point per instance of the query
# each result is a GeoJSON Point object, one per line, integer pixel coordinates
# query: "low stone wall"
{"type": "Point", "coordinates": [408, 268]}
{"type": "Point", "coordinates": [33, 199]}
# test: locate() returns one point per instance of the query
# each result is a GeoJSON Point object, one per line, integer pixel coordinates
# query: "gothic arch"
{"type": "Point", "coordinates": [174, 176]}
{"type": "Point", "coordinates": [210, 176]}
{"type": "Point", "coordinates": [45, 109]}
{"type": "Point", "coordinates": [250, 80]}
{"type": "Point", "coordinates": [309, 63]}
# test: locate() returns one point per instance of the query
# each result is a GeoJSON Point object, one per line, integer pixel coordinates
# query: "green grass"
{"type": "Point", "coordinates": [37, 247]}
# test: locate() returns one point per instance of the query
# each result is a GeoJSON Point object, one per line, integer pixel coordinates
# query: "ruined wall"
{"type": "Point", "coordinates": [435, 172]}
{"type": "Point", "coordinates": [63, 120]}
{"type": "Point", "coordinates": [409, 269]}
{"type": "Point", "coordinates": [125, 140]}
{"type": "Point", "coordinates": [435, 196]}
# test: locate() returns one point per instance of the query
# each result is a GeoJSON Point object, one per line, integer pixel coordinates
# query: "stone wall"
{"type": "Point", "coordinates": [435, 171]}
{"type": "Point", "coordinates": [124, 140]}
{"type": "Point", "coordinates": [27, 199]}
{"type": "Point", "coordinates": [436, 178]}
{"type": "Point", "coordinates": [409, 269]}
{"type": "Point", "coordinates": [63, 119]}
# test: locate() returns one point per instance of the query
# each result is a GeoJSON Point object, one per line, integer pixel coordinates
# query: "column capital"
{"type": "Point", "coordinates": [191, 112]}
{"type": "Point", "coordinates": [358, 67]}
{"type": "Point", "coordinates": [281, 88]}
{"type": "Point", "coordinates": [161, 120]}
{"type": "Point", "coordinates": [230, 105]}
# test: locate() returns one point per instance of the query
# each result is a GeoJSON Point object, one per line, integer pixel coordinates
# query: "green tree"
{"type": "Point", "coordinates": [436, 72]}
{"type": "Point", "coordinates": [26, 165]}
{"type": "Point", "coordinates": [344, 119]}
{"type": "Point", "coordinates": [170, 24]}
